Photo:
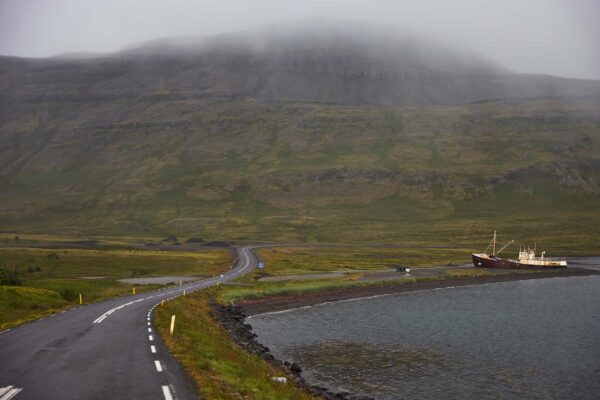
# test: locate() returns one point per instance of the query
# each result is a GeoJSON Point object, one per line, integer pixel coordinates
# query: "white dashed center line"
{"type": "Point", "coordinates": [159, 368]}
{"type": "Point", "coordinates": [167, 393]}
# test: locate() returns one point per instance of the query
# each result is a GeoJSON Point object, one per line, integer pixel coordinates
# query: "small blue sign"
{"type": "Point", "coordinates": [261, 265]}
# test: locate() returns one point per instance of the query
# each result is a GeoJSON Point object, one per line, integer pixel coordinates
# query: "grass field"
{"type": "Point", "coordinates": [309, 260]}
{"type": "Point", "coordinates": [76, 263]}
{"type": "Point", "coordinates": [53, 279]}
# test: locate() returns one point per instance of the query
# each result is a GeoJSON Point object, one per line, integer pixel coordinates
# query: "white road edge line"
{"type": "Point", "coordinates": [106, 314]}
{"type": "Point", "coordinates": [151, 338]}
{"type": "Point", "coordinates": [149, 330]}
{"type": "Point", "coordinates": [153, 349]}
{"type": "Point", "coordinates": [167, 393]}
{"type": "Point", "coordinates": [158, 366]}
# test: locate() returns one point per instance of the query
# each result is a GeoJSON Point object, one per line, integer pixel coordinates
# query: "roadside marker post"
{"type": "Point", "coordinates": [172, 329]}
{"type": "Point", "coordinates": [133, 291]}
{"type": "Point", "coordinates": [184, 292]}
{"type": "Point", "coordinates": [80, 299]}
{"type": "Point", "coordinates": [162, 302]}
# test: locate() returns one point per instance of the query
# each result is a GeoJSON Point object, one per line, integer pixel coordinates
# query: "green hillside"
{"type": "Point", "coordinates": [240, 169]}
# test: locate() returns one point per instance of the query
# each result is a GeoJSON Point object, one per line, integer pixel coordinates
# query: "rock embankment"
{"type": "Point", "coordinates": [232, 319]}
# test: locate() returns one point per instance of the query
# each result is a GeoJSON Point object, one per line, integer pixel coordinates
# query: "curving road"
{"type": "Point", "coordinates": [107, 350]}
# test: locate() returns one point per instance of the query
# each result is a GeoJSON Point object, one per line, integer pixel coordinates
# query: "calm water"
{"type": "Point", "coordinates": [535, 339]}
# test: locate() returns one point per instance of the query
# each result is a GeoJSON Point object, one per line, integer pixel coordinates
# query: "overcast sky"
{"type": "Point", "coordinates": [559, 37]}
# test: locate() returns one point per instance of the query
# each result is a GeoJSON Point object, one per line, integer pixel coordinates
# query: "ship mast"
{"type": "Point", "coordinates": [505, 246]}
{"type": "Point", "coordinates": [492, 245]}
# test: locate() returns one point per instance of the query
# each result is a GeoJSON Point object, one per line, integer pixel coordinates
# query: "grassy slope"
{"type": "Point", "coordinates": [305, 172]}
{"type": "Point", "coordinates": [58, 283]}
{"type": "Point", "coordinates": [220, 368]}
{"type": "Point", "coordinates": [22, 304]}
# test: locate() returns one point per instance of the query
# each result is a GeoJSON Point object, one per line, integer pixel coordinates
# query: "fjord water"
{"type": "Point", "coordinates": [536, 339]}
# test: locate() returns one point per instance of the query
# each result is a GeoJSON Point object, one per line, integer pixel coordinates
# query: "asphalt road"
{"type": "Point", "coordinates": [107, 350]}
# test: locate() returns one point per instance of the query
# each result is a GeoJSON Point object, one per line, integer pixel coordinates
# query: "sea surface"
{"type": "Point", "coordinates": [536, 339]}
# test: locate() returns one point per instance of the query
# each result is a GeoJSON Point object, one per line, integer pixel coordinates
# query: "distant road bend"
{"type": "Point", "coordinates": [107, 350]}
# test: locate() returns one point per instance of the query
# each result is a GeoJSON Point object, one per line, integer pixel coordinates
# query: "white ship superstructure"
{"type": "Point", "coordinates": [528, 257]}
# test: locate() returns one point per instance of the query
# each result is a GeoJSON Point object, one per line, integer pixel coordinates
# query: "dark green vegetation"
{"type": "Point", "coordinates": [220, 369]}
{"type": "Point", "coordinates": [53, 279]}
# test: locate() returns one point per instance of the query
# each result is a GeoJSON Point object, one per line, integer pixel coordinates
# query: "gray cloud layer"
{"type": "Point", "coordinates": [559, 37]}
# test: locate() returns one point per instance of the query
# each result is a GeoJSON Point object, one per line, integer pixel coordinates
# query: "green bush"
{"type": "Point", "coordinates": [9, 277]}
{"type": "Point", "coordinates": [69, 294]}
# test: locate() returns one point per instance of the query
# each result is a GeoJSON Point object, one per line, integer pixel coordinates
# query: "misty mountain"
{"type": "Point", "coordinates": [277, 135]}
{"type": "Point", "coordinates": [335, 64]}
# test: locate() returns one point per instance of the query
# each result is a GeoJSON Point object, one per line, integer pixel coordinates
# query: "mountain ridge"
{"type": "Point", "coordinates": [336, 66]}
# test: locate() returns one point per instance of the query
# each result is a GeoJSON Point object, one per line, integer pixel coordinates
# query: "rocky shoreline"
{"type": "Point", "coordinates": [232, 319]}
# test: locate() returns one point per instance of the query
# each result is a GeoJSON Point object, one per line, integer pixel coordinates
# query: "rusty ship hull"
{"type": "Point", "coordinates": [504, 263]}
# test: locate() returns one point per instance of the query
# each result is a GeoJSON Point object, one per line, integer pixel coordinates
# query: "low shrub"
{"type": "Point", "coordinates": [69, 294]}
{"type": "Point", "coordinates": [9, 277]}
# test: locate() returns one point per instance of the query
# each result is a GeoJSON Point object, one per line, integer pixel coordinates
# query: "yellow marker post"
{"type": "Point", "coordinates": [172, 329]}
{"type": "Point", "coordinates": [184, 292]}
{"type": "Point", "coordinates": [180, 282]}
{"type": "Point", "coordinates": [80, 299]}
{"type": "Point", "coordinates": [133, 291]}
{"type": "Point", "coordinates": [162, 302]}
